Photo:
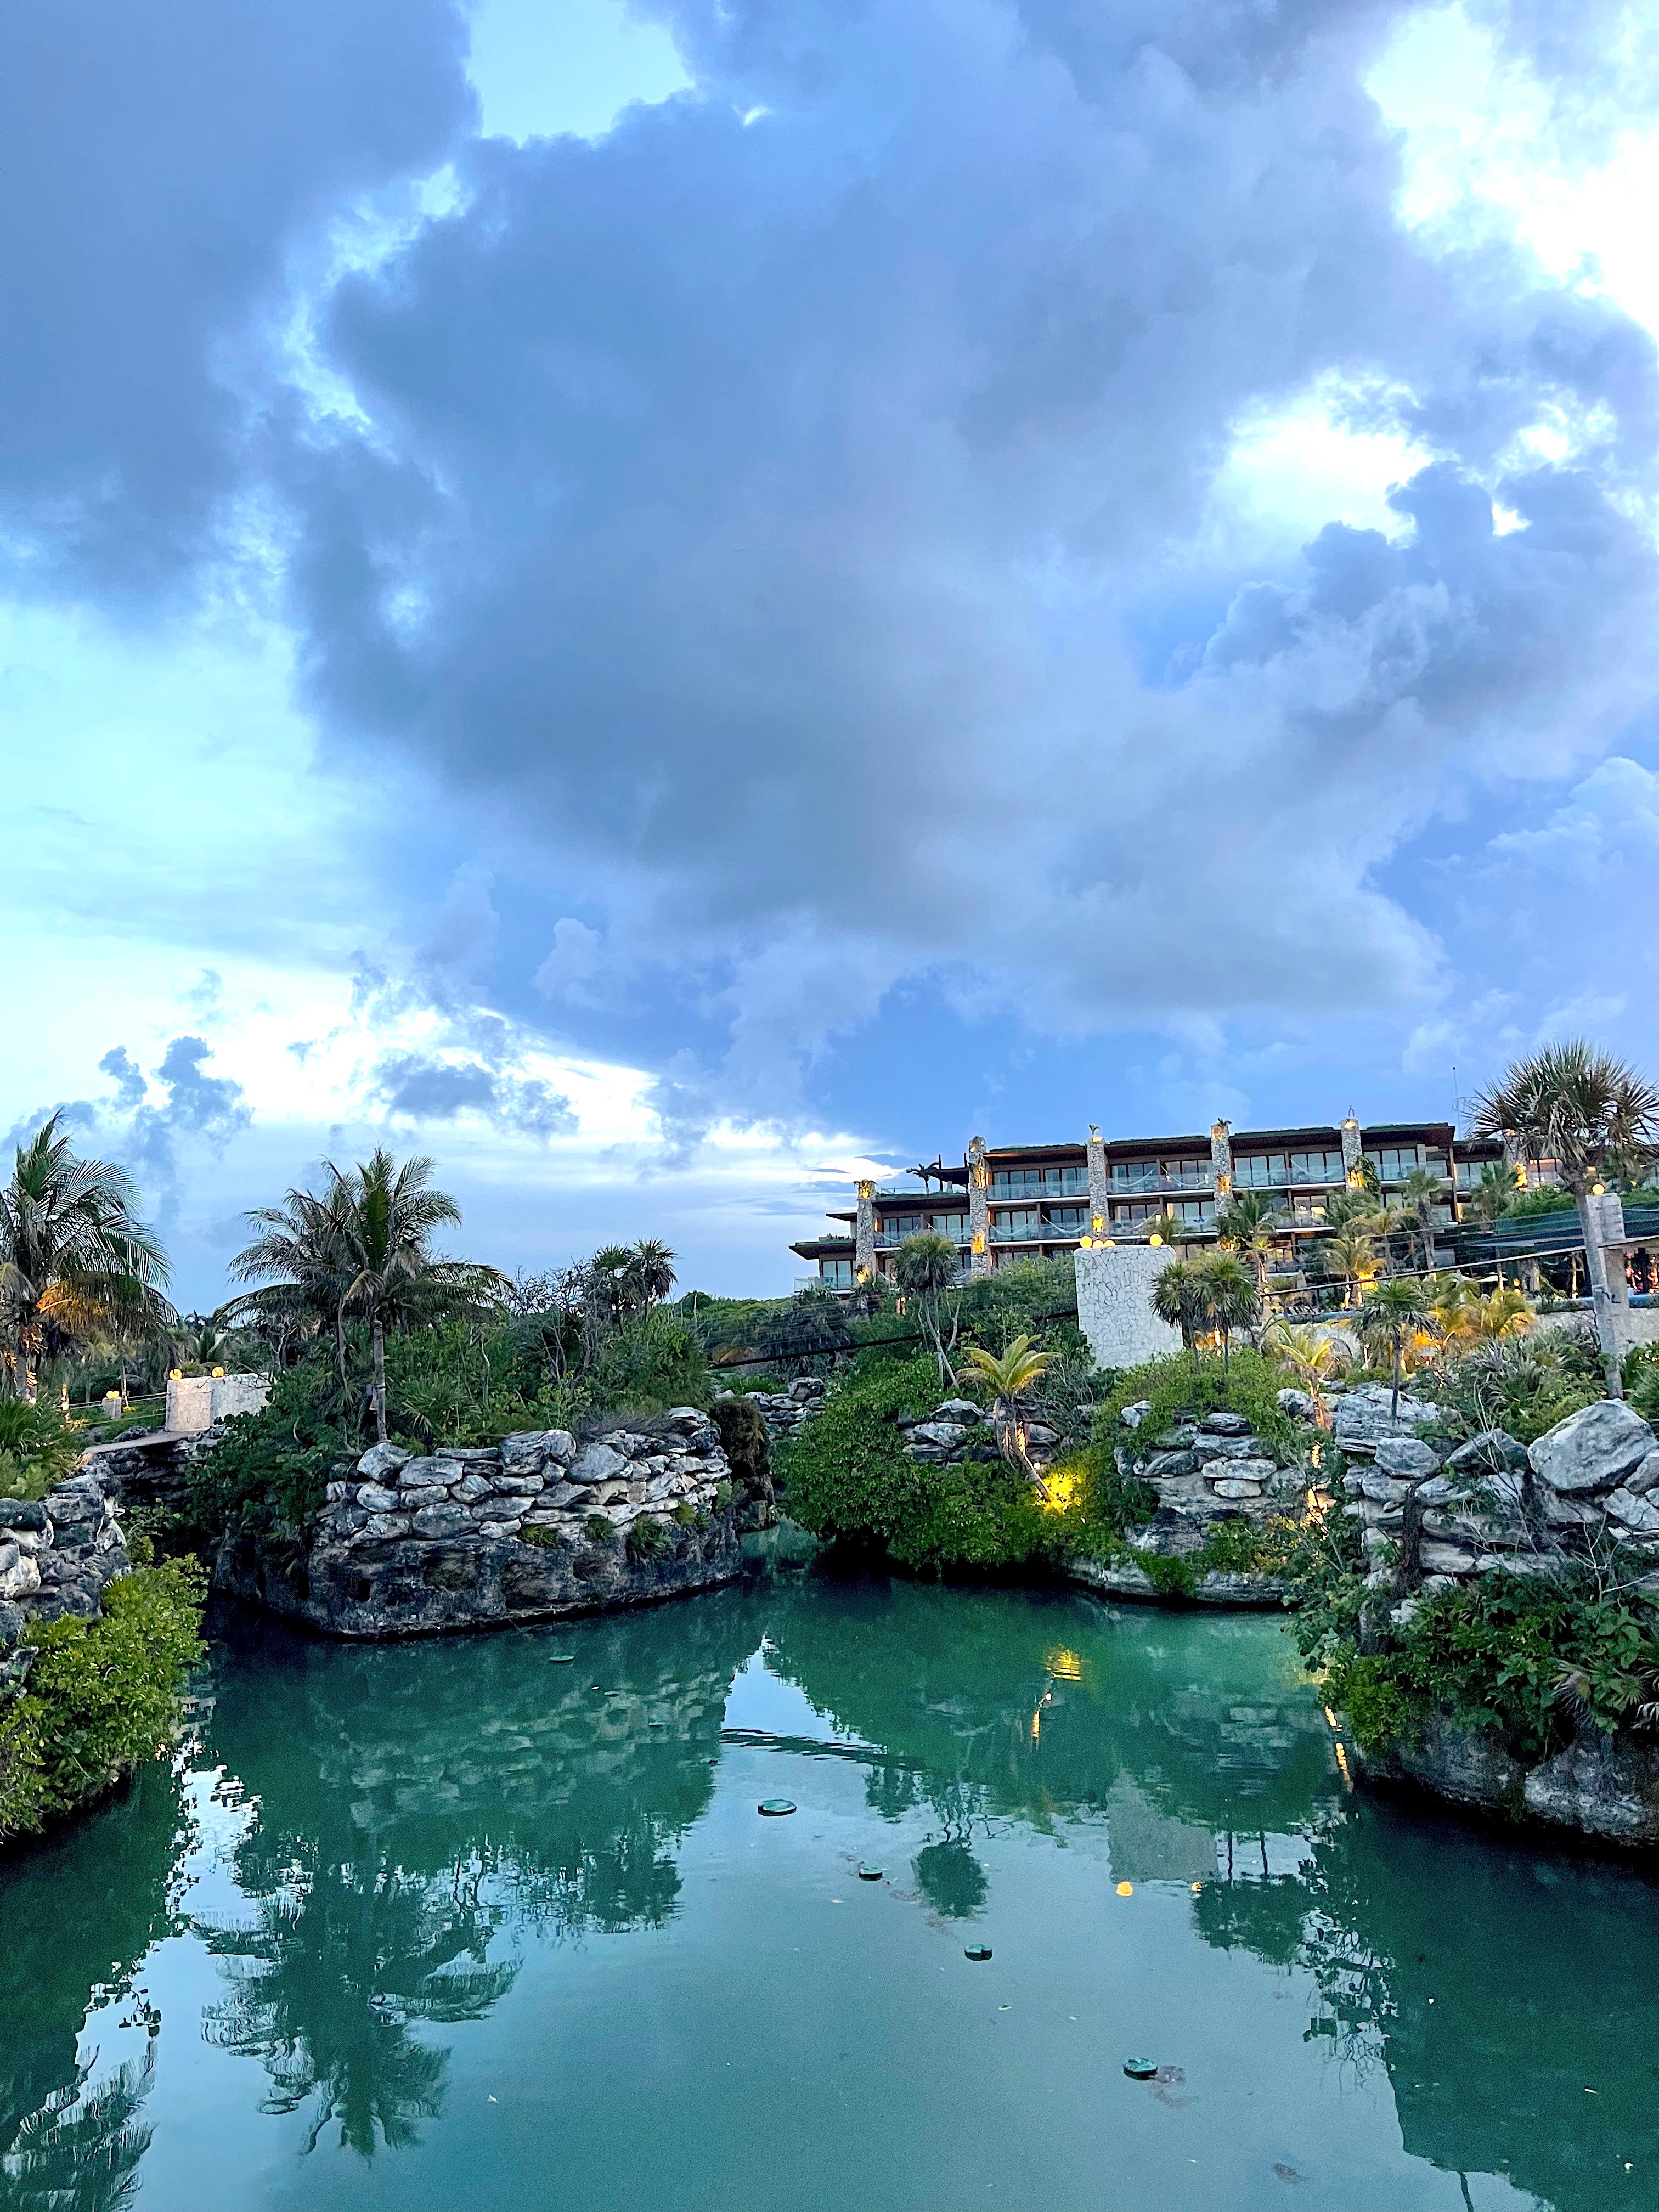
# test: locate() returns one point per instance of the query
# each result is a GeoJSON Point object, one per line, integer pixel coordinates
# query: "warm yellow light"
{"type": "Point", "coordinates": [1223, 1183]}
{"type": "Point", "coordinates": [1197, 1886]}
{"type": "Point", "coordinates": [1598, 1190]}
{"type": "Point", "coordinates": [1064, 1666]}
{"type": "Point", "coordinates": [176, 1375]}
{"type": "Point", "coordinates": [218, 1374]}
{"type": "Point", "coordinates": [1126, 1889]}
{"type": "Point", "coordinates": [1099, 1222]}
{"type": "Point", "coordinates": [1058, 1492]}
{"type": "Point", "coordinates": [1154, 1238]}
{"type": "Point", "coordinates": [979, 1240]}
{"type": "Point", "coordinates": [1355, 1179]}
{"type": "Point", "coordinates": [1087, 1243]}
{"type": "Point", "coordinates": [1109, 1243]}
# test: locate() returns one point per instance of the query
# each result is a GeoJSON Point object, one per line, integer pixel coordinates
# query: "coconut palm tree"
{"type": "Point", "coordinates": [1393, 1315]}
{"type": "Point", "coordinates": [1352, 1255]}
{"type": "Point", "coordinates": [68, 1229]}
{"type": "Point", "coordinates": [1595, 1118]}
{"type": "Point", "coordinates": [1251, 1225]}
{"type": "Point", "coordinates": [388, 1218]}
{"type": "Point", "coordinates": [609, 1268]}
{"type": "Point", "coordinates": [301, 1261]}
{"type": "Point", "coordinates": [1228, 1299]}
{"type": "Point", "coordinates": [1006, 1379]}
{"type": "Point", "coordinates": [1422, 1191]}
{"type": "Point", "coordinates": [1487, 1199]}
{"type": "Point", "coordinates": [925, 1269]}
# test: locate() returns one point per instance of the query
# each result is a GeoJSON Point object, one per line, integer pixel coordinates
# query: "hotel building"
{"type": "Point", "coordinates": [1025, 1201]}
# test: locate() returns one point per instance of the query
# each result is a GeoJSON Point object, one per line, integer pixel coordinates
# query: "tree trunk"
{"type": "Point", "coordinates": [377, 1340]}
{"type": "Point", "coordinates": [1607, 1328]}
{"type": "Point", "coordinates": [1393, 1403]}
{"type": "Point", "coordinates": [1408, 1572]}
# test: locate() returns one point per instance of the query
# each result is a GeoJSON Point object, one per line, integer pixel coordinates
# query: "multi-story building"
{"type": "Point", "coordinates": [1022, 1202]}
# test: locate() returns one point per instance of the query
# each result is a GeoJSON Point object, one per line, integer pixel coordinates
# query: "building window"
{"type": "Point", "coordinates": [1018, 1223]}
{"type": "Point", "coordinates": [1316, 1167]}
{"type": "Point", "coordinates": [1070, 1219]}
{"type": "Point", "coordinates": [954, 1225]}
{"type": "Point", "coordinates": [1393, 1163]}
{"type": "Point", "coordinates": [838, 1272]}
{"type": "Point", "coordinates": [903, 1224]}
{"type": "Point", "coordinates": [1254, 1170]}
{"type": "Point", "coordinates": [1046, 1183]}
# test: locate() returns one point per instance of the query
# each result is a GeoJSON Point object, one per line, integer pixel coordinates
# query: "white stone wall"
{"type": "Point", "coordinates": [1114, 1304]}
{"type": "Point", "coordinates": [197, 1402]}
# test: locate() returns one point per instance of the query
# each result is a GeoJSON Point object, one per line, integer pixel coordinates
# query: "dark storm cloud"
{"type": "Point", "coordinates": [745, 512]}
{"type": "Point", "coordinates": [159, 165]}
{"type": "Point", "coordinates": [427, 1088]}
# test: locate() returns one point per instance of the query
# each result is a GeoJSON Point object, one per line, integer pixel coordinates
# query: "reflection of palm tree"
{"type": "Point", "coordinates": [951, 1880]}
{"type": "Point", "coordinates": [80, 2153]}
{"type": "Point", "coordinates": [326, 1986]}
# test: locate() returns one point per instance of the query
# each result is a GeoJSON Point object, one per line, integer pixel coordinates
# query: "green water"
{"type": "Point", "coordinates": [451, 1925]}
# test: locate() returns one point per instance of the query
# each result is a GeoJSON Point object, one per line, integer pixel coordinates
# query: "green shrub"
{"type": "Point", "coordinates": [722, 1495]}
{"type": "Point", "coordinates": [537, 1533]}
{"type": "Point", "coordinates": [273, 1465]}
{"type": "Point", "coordinates": [685, 1514]}
{"type": "Point", "coordinates": [647, 1536]}
{"type": "Point", "coordinates": [1180, 1389]}
{"type": "Point", "coordinates": [848, 1479]}
{"type": "Point", "coordinates": [101, 1698]}
{"type": "Point", "coordinates": [1523, 1384]}
{"type": "Point", "coordinates": [648, 1365]}
{"type": "Point", "coordinates": [598, 1529]}
{"type": "Point", "coordinates": [38, 1448]}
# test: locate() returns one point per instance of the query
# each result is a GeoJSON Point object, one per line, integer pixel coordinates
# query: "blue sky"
{"type": "Point", "coordinates": [671, 604]}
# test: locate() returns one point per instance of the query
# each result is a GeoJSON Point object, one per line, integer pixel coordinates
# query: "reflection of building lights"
{"type": "Point", "coordinates": [1342, 1762]}
{"type": "Point", "coordinates": [1064, 1666]}
{"type": "Point", "coordinates": [1330, 1717]}
{"type": "Point", "coordinates": [1126, 1889]}
{"type": "Point", "coordinates": [1197, 1886]}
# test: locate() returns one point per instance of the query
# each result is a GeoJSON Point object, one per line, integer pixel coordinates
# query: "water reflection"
{"type": "Point", "coordinates": [78, 1917]}
{"type": "Point", "coordinates": [413, 1828]}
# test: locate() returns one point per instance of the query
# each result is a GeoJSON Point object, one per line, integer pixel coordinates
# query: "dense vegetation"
{"type": "Point", "coordinates": [100, 1698]}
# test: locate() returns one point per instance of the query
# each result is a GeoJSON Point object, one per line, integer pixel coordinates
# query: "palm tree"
{"type": "Point", "coordinates": [1228, 1299]}
{"type": "Point", "coordinates": [1393, 1314]}
{"type": "Point", "coordinates": [1421, 1191]}
{"type": "Point", "coordinates": [1309, 1356]}
{"type": "Point", "coordinates": [67, 1226]}
{"type": "Point", "coordinates": [1166, 1228]}
{"type": "Point", "coordinates": [1506, 1313]}
{"type": "Point", "coordinates": [1354, 1255]}
{"type": "Point", "coordinates": [1251, 1225]}
{"type": "Point", "coordinates": [609, 1268]}
{"type": "Point", "coordinates": [1487, 1199]}
{"type": "Point", "coordinates": [1176, 1300]}
{"type": "Point", "coordinates": [301, 1260]}
{"type": "Point", "coordinates": [388, 1218]}
{"type": "Point", "coordinates": [1595, 1118]}
{"type": "Point", "coordinates": [648, 1275]}
{"type": "Point", "coordinates": [925, 1269]}
{"type": "Point", "coordinates": [1008, 1379]}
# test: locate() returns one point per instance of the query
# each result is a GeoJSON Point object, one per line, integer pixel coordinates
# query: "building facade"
{"type": "Point", "coordinates": [1028, 1202]}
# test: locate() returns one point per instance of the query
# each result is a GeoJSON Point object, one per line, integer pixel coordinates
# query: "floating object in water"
{"type": "Point", "coordinates": [774, 1809]}
{"type": "Point", "coordinates": [978, 1952]}
{"type": "Point", "coordinates": [1140, 2069]}
{"type": "Point", "coordinates": [869, 1873]}
{"type": "Point", "coordinates": [659, 1724]}
{"type": "Point", "coordinates": [561, 1658]}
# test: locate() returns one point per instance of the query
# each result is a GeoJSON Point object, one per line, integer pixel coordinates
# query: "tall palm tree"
{"type": "Point", "coordinates": [926, 1268]}
{"type": "Point", "coordinates": [1006, 1379]}
{"type": "Point", "coordinates": [1487, 1199]}
{"type": "Point", "coordinates": [67, 1226]}
{"type": "Point", "coordinates": [1251, 1225]}
{"type": "Point", "coordinates": [1353, 1256]}
{"type": "Point", "coordinates": [649, 1273]}
{"type": "Point", "coordinates": [609, 1268]}
{"type": "Point", "coordinates": [1422, 1192]}
{"type": "Point", "coordinates": [389, 1216]}
{"type": "Point", "coordinates": [1393, 1314]}
{"type": "Point", "coordinates": [1595, 1118]}
{"type": "Point", "coordinates": [1228, 1299]}
{"type": "Point", "coordinates": [301, 1260]}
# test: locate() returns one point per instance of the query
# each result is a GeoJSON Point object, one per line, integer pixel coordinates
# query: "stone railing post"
{"type": "Point", "coordinates": [864, 1244]}
{"type": "Point", "coordinates": [979, 1210]}
{"type": "Point", "coordinates": [1602, 1216]}
{"type": "Point", "coordinates": [1352, 1152]}
{"type": "Point", "coordinates": [1100, 1208]}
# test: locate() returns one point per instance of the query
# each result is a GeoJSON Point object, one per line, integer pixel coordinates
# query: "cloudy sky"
{"type": "Point", "coordinates": [666, 602]}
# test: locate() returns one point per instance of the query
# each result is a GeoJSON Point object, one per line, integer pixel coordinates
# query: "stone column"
{"type": "Point", "coordinates": [1352, 1151]}
{"type": "Point", "coordinates": [1221, 1163]}
{"type": "Point", "coordinates": [864, 1247]}
{"type": "Point", "coordinates": [1100, 1204]}
{"type": "Point", "coordinates": [979, 1210]}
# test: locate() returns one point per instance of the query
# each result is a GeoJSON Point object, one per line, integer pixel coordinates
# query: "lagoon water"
{"type": "Point", "coordinates": [455, 1924]}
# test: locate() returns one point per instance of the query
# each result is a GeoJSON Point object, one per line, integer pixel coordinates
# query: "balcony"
{"type": "Point", "coordinates": [1043, 1232]}
{"type": "Point", "coordinates": [888, 1239]}
{"type": "Point", "coordinates": [1122, 1185]}
{"type": "Point", "coordinates": [1284, 1179]}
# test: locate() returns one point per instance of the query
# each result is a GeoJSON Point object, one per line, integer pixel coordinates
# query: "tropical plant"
{"type": "Point", "coordinates": [1252, 1225]}
{"type": "Point", "coordinates": [925, 1269]}
{"type": "Point", "coordinates": [1165, 1228]}
{"type": "Point", "coordinates": [1489, 1197]}
{"type": "Point", "coordinates": [1421, 1192]}
{"type": "Point", "coordinates": [1352, 1256]}
{"type": "Point", "coordinates": [649, 1273]}
{"type": "Point", "coordinates": [1311, 1355]}
{"type": "Point", "coordinates": [868, 1295]}
{"type": "Point", "coordinates": [805, 1331]}
{"type": "Point", "coordinates": [1227, 1299]}
{"type": "Point", "coordinates": [301, 1262]}
{"type": "Point", "coordinates": [1006, 1378]}
{"type": "Point", "coordinates": [1592, 1116]}
{"type": "Point", "coordinates": [1176, 1300]}
{"type": "Point", "coordinates": [1394, 1316]}
{"type": "Point", "coordinates": [68, 1237]}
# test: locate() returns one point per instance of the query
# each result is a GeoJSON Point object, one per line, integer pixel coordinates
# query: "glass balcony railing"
{"type": "Point", "coordinates": [1058, 1182]}
{"type": "Point", "coordinates": [1129, 1184]}
{"type": "Point", "coordinates": [1250, 1178]}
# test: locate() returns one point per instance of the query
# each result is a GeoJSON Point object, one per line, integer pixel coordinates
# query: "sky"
{"type": "Point", "coordinates": [670, 603]}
